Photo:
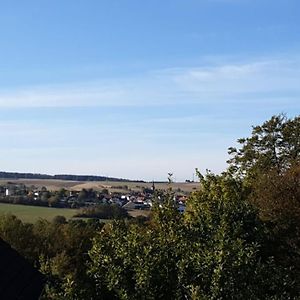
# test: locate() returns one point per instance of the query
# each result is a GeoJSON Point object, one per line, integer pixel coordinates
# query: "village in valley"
{"type": "Point", "coordinates": [139, 198]}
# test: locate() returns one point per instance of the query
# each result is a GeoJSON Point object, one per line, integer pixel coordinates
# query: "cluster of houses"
{"type": "Point", "coordinates": [129, 200]}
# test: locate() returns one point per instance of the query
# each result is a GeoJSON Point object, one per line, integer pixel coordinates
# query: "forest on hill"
{"type": "Point", "coordinates": [16, 175]}
{"type": "Point", "coordinates": [239, 237]}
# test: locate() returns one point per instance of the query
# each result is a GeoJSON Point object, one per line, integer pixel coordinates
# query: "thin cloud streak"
{"type": "Point", "coordinates": [248, 82]}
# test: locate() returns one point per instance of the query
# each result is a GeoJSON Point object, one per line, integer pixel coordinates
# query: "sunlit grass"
{"type": "Point", "coordinates": [32, 213]}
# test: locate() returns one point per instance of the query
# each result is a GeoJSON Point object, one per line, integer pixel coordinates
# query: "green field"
{"type": "Point", "coordinates": [32, 213]}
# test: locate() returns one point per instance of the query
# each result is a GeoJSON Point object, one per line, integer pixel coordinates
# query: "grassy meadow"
{"type": "Point", "coordinates": [31, 214]}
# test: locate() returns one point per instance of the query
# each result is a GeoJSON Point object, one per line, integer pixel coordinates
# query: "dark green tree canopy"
{"type": "Point", "coordinates": [273, 145]}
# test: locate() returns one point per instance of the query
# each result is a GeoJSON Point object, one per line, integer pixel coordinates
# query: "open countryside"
{"type": "Point", "coordinates": [34, 199]}
{"type": "Point", "coordinates": [150, 150]}
{"type": "Point", "coordinates": [55, 185]}
{"type": "Point", "coordinates": [31, 214]}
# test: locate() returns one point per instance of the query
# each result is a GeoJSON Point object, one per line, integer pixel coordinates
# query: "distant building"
{"type": "Point", "coordinates": [8, 192]}
{"type": "Point", "coordinates": [181, 208]}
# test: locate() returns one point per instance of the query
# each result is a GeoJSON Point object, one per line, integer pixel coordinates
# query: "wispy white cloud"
{"type": "Point", "coordinates": [240, 79]}
{"type": "Point", "coordinates": [61, 96]}
{"type": "Point", "coordinates": [249, 81]}
{"type": "Point", "coordinates": [206, 108]}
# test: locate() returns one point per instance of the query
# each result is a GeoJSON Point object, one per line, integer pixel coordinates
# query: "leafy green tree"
{"type": "Point", "coordinates": [269, 161]}
{"type": "Point", "coordinates": [217, 250]}
{"type": "Point", "coordinates": [63, 256]}
{"type": "Point", "coordinates": [59, 220]}
{"type": "Point", "coordinates": [104, 211]}
{"type": "Point", "coordinates": [273, 145]}
{"type": "Point", "coordinates": [20, 236]}
{"type": "Point", "coordinates": [277, 197]}
{"type": "Point", "coordinates": [53, 200]}
{"type": "Point", "coordinates": [45, 196]}
{"type": "Point", "coordinates": [105, 191]}
{"type": "Point", "coordinates": [230, 251]}
{"type": "Point", "coordinates": [82, 196]}
{"type": "Point", "coordinates": [62, 193]}
{"type": "Point", "coordinates": [139, 262]}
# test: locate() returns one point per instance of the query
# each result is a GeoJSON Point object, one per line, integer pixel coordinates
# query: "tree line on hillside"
{"type": "Point", "coordinates": [239, 237]}
{"type": "Point", "coordinates": [16, 175]}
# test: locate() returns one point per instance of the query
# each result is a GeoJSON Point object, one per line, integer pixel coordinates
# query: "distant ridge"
{"type": "Point", "coordinates": [16, 175]}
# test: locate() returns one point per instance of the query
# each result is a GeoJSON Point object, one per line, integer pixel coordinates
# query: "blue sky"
{"type": "Point", "coordinates": [137, 89]}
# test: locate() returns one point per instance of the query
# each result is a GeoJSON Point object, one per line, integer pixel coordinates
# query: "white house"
{"type": "Point", "coordinates": [8, 192]}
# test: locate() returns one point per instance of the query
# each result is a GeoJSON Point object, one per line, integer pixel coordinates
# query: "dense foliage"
{"type": "Point", "coordinates": [275, 145]}
{"type": "Point", "coordinates": [104, 211]}
{"type": "Point", "coordinates": [15, 175]}
{"type": "Point", "coordinates": [239, 237]}
{"type": "Point", "coordinates": [269, 164]}
{"type": "Point", "coordinates": [217, 250]}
